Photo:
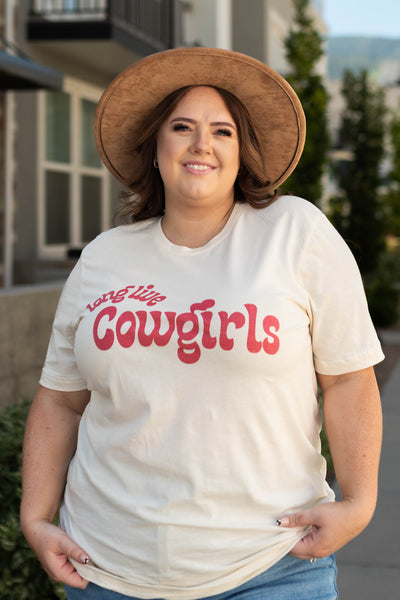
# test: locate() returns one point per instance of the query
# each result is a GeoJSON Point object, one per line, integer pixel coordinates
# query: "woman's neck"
{"type": "Point", "coordinates": [194, 229]}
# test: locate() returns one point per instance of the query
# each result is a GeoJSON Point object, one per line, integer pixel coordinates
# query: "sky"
{"type": "Point", "coordinates": [379, 18]}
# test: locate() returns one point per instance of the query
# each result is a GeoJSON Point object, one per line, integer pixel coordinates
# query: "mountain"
{"type": "Point", "coordinates": [379, 56]}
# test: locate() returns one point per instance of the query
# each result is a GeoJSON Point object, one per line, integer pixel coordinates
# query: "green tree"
{"type": "Point", "coordinates": [392, 198]}
{"type": "Point", "coordinates": [304, 48]}
{"type": "Point", "coordinates": [362, 134]}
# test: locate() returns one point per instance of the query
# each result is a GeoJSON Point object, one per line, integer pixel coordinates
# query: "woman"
{"type": "Point", "coordinates": [177, 420]}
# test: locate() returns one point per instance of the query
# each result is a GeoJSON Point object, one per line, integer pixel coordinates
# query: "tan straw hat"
{"type": "Point", "coordinates": [274, 106]}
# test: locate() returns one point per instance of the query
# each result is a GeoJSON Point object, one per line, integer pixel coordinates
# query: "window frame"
{"type": "Point", "coordinates": [77, 92]}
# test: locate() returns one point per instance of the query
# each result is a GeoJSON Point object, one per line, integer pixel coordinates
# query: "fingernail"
{"type": "Point", "coordinates": [84, 560]}
{"type": "Point", "coordinates": [278, 522]}
{"type": "Point", "coordinates": [283, 522]}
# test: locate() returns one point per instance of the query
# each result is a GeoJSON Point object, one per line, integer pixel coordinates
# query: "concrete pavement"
{"type": "Point", "coordinates": [369, 566]}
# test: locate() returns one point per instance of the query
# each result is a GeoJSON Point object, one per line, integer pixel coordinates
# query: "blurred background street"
{"type": "Point", "coordinates": [369, 566]}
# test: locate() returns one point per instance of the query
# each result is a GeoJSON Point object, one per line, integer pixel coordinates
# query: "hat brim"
{"type": "Point", "coordinates": [275, 108]}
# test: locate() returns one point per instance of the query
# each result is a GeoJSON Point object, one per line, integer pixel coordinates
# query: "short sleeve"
{"type": "Point", "coordinates": [343, 336]}
{"type": "Point", "coordinates": [60, 371]}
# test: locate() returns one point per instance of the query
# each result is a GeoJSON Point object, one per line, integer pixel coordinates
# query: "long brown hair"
{"type": "Point", "coordinates": [147, 199]}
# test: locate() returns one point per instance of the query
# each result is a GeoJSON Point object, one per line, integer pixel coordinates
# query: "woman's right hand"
{"type": "Point", "coordinates": [50, 443]}
{"type": "Point", "coordinates": [54, 547]}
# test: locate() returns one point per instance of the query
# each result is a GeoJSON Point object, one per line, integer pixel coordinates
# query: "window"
{"type": "Point", "coordinates": [74, 203]}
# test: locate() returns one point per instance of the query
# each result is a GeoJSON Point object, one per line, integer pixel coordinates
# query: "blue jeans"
{"type": "Point", "coordinates": [289, 579]}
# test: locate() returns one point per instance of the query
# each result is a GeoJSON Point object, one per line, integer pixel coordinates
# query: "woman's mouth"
{"type": "Point", "coordinates": [198, 168]}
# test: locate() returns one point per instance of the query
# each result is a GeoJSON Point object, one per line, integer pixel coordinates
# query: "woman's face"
{"type": "Point", "coordinates": [198, 151]}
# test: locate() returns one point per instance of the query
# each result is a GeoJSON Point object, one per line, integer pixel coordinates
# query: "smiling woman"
{"type": "Point", "coordinates": [177, 421]}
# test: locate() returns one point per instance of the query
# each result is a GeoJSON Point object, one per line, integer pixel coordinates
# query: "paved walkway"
{"type": "Point", "coordinates": [369, 566]}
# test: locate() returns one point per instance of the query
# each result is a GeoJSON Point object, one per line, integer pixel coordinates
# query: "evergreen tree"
{"type": "Point", "coordinates": [362, 133]}
{"type": "Point", "coordinates": [392, 199]}
{"type": "Point", "coordinates": [304, 48]}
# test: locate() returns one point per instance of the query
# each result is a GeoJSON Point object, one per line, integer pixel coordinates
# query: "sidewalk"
{"type": "Point", "coordinates": [369, 566]}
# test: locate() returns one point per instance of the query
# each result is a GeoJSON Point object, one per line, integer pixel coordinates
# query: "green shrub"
{"type": "Point", "coordinates": [383, 301]}
{"type": "Point", "coordinates": [326, 453]}
{"type": "Point", "coordinates": [325, 450]}
{"type": "Point", "coordinates": [382, 291]}
{"type": "Point", "coordinates": [21, 575]}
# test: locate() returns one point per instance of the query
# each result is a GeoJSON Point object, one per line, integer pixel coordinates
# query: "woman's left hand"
{"type": "Point", "coordinates": [333, 524]}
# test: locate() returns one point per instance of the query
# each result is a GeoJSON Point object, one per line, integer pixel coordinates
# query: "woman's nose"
{"type": "Point", "coordinates": [201, 141]}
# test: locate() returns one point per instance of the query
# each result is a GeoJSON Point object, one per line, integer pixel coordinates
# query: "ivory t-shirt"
{"type": "Point", "coordinates": [203, 424]}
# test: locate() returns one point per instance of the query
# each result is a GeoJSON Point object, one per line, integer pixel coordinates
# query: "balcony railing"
{"type": "Point", "coordinates": [153, 21]}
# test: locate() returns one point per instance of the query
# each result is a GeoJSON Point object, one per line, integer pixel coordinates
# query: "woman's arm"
{"type": "Point", "coordinates": [49, 444]}
{"type": "Point", "coordinates": [353, 422]}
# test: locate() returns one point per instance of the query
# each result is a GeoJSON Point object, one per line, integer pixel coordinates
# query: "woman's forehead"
{"type": "Point", "coordinates": [204, 100]}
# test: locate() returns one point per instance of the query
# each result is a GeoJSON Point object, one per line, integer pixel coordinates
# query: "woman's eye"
{"type": "Point", "coordinates": [224, 132]}
{"type": "Point", "coordinates": [181, 127]}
